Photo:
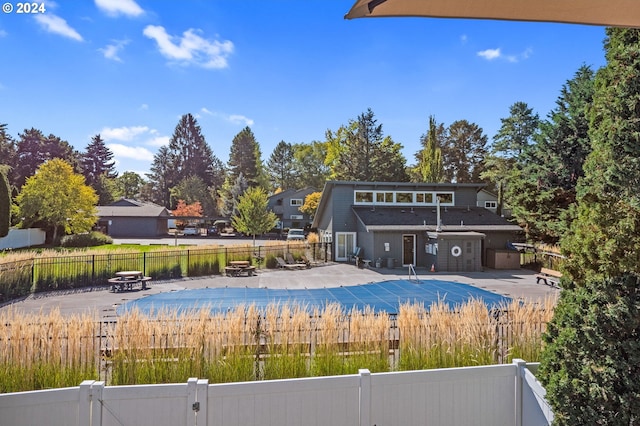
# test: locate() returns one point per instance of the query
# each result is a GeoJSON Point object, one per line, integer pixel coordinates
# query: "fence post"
{"type": "Point", "coordinates": [202, 395]}
{"type": "Point", "coordinates": [365, 397]}
{"type": "Point", "coordinates": [520, 365]}
{"type": "Point", "coordinates": [193, 405]}
{"type": "Point", "coordinates": [96, 403]}
{"type": "Point", "coordinates": [84, 403]}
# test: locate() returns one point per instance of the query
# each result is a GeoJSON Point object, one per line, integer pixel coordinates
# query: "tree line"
{"type": "Point", "coordinates": [532, 165]}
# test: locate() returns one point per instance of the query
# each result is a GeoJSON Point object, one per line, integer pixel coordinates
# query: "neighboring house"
{"type": "Point", "coordinates": [489, 201]}
{"type": "Point", "coordinates": [131, 218]}
{"type": "Point", "coordinates": [286, 205]}
{"type": "Point", "coordinates": [397, 223]}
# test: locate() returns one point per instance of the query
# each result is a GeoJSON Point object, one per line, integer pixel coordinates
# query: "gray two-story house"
{"type": "Point", "coordinates": [286, 205]}
{"type": "Point", "coordinates": [435, 226]}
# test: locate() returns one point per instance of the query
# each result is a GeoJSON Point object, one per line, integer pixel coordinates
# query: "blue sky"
{"type": "Point", "coordinates": [288, 69]}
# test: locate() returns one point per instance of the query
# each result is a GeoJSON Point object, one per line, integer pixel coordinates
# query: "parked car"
{"type": "Point", "coordinates": [295, 234]}
{"type": "Point", "coordinates": [191, 230]}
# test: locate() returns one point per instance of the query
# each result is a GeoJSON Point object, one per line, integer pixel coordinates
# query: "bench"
{"type": "Point", "coordinates": [549, 277]}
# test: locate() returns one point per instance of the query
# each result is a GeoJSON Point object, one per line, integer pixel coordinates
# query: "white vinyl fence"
{"type": "Point", "coordinates": [18, 238]}
{"type": "Point", "coordinates": [491, 395]}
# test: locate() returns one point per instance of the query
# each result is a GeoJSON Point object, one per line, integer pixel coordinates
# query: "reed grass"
{"type": "Point", "coordinates": [39, 351]}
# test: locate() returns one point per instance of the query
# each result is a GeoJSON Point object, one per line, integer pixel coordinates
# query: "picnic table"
{"type": "Point", "coordinates": [125, 280]}
{"type": "Point", "coordinates": [238, 267]}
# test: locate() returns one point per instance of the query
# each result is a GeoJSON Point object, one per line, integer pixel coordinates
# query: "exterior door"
{"type": "Point", "coordinates": [345, 245]}
{"type": "Point", "coordinates": [408, 249]}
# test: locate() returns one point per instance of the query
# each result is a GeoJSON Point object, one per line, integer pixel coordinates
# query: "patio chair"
{"type": "Point", "coordinates": [353, 257]}
{"type": "Point", "coordinates": [284, 265]}
{"type": "Point", "coordinates": [291, 261]}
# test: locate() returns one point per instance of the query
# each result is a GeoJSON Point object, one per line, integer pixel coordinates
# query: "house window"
{"type": "Point", "coordinates": [296, 217]}
{"type": "Point", "coordinates": [404, 197]}
{"type": "Point", "coordinates": [490, 204]}
{"type": "Point", "coordinates": [424, 198]}
{"type": "Point", "coordinates": [296, 201]}
{"type": "Point", "coordinates": [446, 198]}
{"type": "Point", "coordinates": [364, 197]}
{"type": "Point", "coordinates": [384, 197]}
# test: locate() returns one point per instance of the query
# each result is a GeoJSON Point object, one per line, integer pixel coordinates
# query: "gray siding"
{"type": "Point", "coordinates": [465, 197]}
{"type": "Point", "coordinates": [137, 227]}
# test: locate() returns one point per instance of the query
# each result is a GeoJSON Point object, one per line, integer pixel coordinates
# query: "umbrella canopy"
{"type": "Point", "coordinates": [615, 13]}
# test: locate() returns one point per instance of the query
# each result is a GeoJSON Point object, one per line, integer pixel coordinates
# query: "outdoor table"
{"type": "Point", "coordinates": [238, 267]}
{"type": "Point", "coordinates": [124, 280]}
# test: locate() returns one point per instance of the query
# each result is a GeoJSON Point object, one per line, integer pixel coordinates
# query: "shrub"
{"type": "Point", "coordinates": [90, 239]}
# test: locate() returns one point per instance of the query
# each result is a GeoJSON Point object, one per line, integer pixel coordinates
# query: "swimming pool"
{"type": "Point", "coordinates": [385, 296]}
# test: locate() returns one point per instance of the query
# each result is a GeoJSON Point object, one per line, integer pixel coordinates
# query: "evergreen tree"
{"type": "Point", "coordinates": [162, 177]}
{"type": "Point", "coordinates": [7, 149]}
{"type": "Point", "coordinates": [191, 154]}
{"type": "Point", "coordinates": [280, 167]}
{"type": "Point", "coordinates": [604, 239]}
{"type": "Point", "coordinates": [33, 149]}
{"type": "Point", "coordinates": [244, 158]}
{"type": "Point", "coordinates": [230, 195]}
{"type": "Point", "coordinates": [542, 191]}
{"type": "Point", "coordinates": [510, 149]}
{"type": "Point", "coordinates": [596, 323]}
{"type": "Point", "coordinates": [463, 152]}
{"type": "Point", "coordinates": [96, 161]}
{"type": "Point", "coordinates": [429, 167]}
{"type": "Point", "coordinates": [361, 152]}
{"type": "Point", "coordinates": [591, 358]}
{"type": "Point", "coordinates": [5, 204]}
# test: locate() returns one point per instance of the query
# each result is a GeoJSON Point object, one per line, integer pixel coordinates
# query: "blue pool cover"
{"type": "Point", "coordinates": [386, 296]}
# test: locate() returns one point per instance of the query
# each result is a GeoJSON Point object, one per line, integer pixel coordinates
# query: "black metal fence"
{"type": "Point", "coordinates": [19, 278]}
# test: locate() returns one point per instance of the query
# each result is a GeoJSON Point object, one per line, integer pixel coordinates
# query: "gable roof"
{"type": "Point", "coordinates": [425, 219]}
{"type": "Point", "coordinates": [125, 207]}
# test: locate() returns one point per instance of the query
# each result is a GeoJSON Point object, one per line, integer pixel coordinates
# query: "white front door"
{"type": "Point", "coordinates": [345, 245]}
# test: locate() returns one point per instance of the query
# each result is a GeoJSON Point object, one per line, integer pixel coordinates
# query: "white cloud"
{"type": "Point", "coordinates": [240, 119]}
{"type": "Point", "coordinates": [111, 51]}
{"type": "Point", "coordinates": [119, 7]}
{"type": "Point", "coordinates": [124, 133]}
{"type": "Point", "coordinates": [206, 111]}
{"type": "Point", "coordinates": [159, 141]}
{"type": "Point", "coordinates": [144, 107]}
{"type": "Point", "coordinates": [3, 33]}
{"type": "Point", "coordinates": [463, 38]}
{"type": "Point", "coordinates": [136, 153]}
{"type": "Point", "coordinates": [490, 54]}
{"type": "Point", "coordinates": [56, 25]}
{"type": "Point", "coordinates": [190, 48]}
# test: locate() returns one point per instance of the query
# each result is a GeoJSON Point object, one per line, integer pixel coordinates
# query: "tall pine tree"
{"type": "Point", "coordinates": [591, 363]}
{"type": "Point", "coordinates": [98, 168]}
{"type": "Point", "coordinates": [430, 166]}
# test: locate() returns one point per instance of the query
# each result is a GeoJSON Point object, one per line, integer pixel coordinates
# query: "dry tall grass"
{"type": "Point", "coordinates": [40, 351]}
{"type": "Point", "coordinates": [283, 341]}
